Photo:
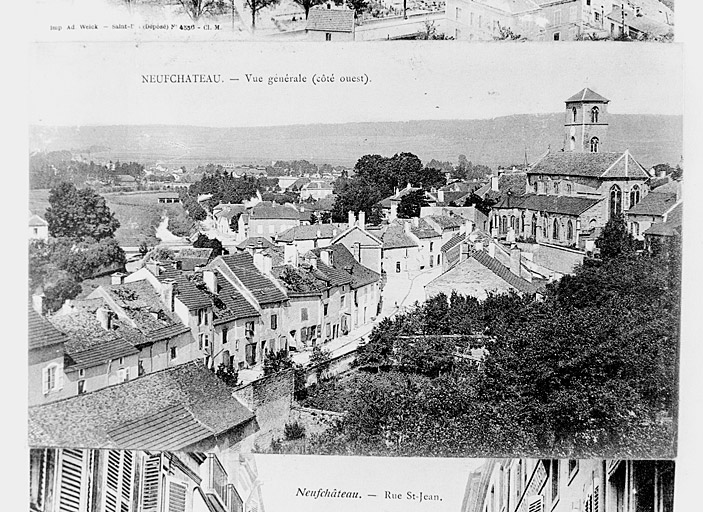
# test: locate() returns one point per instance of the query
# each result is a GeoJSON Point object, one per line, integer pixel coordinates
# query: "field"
{"type": "Point", "coordinates": [139, 214]}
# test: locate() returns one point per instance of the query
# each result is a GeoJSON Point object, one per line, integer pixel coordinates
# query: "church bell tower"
{"type": "Point", "coordinates": [586, 124]}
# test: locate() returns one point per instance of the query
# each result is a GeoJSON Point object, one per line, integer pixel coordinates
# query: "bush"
{"type": "Point", "coordinates": [294, 430]}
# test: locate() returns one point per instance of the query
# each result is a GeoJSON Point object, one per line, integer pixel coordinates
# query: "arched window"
{"type": "Point", "coordinates": [615, 200]}
{"type": "Point", "coordinates": [570, 230]}
{"type": "Point", "coordinates": [573, 113]}
{"type": "Point", "coordinates": [594, 114]}
{"type": "Point", "coordinates": [512, 221]}
{"type": "Point", "coordinates": [572, 143]}
{"type": "Point", "coordinates": [568, 188]}
{"type": "Point", "coordinates": [594, 145]}
{"type": "Point", "coordinates": [592, 224]}
{"type": "Point", "coordinates": [634, 196]}
{"type": "Point", "coordinates": [555, 230]}
{"type": "Point", "coordinates": [534, 225]}
{"type": "Point", "coordinates": [535, 186]}
{"type": "Point", "coordinates": [556, 187]}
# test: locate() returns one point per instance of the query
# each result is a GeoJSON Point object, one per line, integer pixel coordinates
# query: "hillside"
{"type": "Point", "coordinates": [501, 141]}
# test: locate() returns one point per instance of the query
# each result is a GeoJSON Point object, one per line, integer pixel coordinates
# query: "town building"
{"type": "Point", "coordinates": [361, 242]}
{"type": "Point", "coordinates": [488, 20]}
{"type": "Point", "coordinates": [568, 485]}
{"type": "Point", "coordinates": [79, 480]}
{"type": "Point", "coordinates": [656, 207]}
{"type": "Point", "coordinates": [390, 204]}
{"type": "Point", "coordinates": [46, 357]}
{"type": "Point", "coordinates": [269, 219]}
{"type": "Point", "coordinates": [316, 189]}
{"type": "Point", "coordinates": [38, 227]}
{"type": "Point", "coordinates": [308, 237]}
{"type": "Point", "coordinates": [328, 24]}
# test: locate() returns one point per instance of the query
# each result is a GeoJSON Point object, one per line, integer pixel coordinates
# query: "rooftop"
{"type": "Point", "coordinates": [591, 165]}
{"type": "Point", "coordinates": [273, 211]}
{"type": "Point", "coordinates": [654, 203]}
{"type": "Point", "coordinates": [587, 95]}
{"type": "Point", "coordinates": [186, 400]}
{"type": "Point", "coordinates": [331, 20]}
{"type": "Point", "coordinates": [263, 289]}
{"type": "Point", "coordinates": [42, 333]}
{"type": "Point", "coordinates": [395, 237]}
{"type": "Point", "coordinates": [343, 262]}
{"type": "Point", "coordinates": [310, 232]}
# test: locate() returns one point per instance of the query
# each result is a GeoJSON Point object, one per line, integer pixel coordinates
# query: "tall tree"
{"type": "Point", "coordinates": [308, 4]}
{"type": "Point", "coordinates": [79, 214]}
{"type": "Point", "coordinates": [615, 241]}
{"type": "Point", "coordinates": [411, 203]}
{"type": "Point", "coordinates": [257, 5]}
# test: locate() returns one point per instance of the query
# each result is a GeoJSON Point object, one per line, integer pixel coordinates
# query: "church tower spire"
{"type": "Point", "coordinates": [586, 124]}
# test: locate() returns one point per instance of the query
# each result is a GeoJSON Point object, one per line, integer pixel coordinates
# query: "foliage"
{"type": "Point", "coordinates": [196, 9]}
{"type": "Point", "coordinates": [193, 208]}
{"type": "Point", "coordinates": [143, 248]}
{"type": "Point", "coordinates": [411, 203]}
{"type": "Point", "coordinates": [506, 34]}
{"type": "Point", "coordinates": [431, 34]}
{"type": "Point", "coordinates": [615, 241]}
{"type": "Point", "coordinates": [228, 374]}
{"type": "Point", "coordinates": [79, 214]}
{"type": "Point", "coordinates": [483, 205]}
{"type": "Point", "coordinates": [512, 183]}
{"type": "Point", "coordinates": [589, 370]}
{"type": "Point", "coordinates": [204, 241]}
{"type": "Point", "coordinates": [293, 430]}
{"type": "Point", "coordinates": [319, 355]}
{"type": "Point", "coordinates": [466, 170]}
{"type": "Point", "coordinates": [257, 5]}
{"type": "Point", "coordinates": [277, 361]}
{"type": "Point", "coordinates": [50, 169]}
{"type": "Point", "coordinates": [308, 4]}
{"type": "Point", "coordinates": [161, 253]}
{"type": "Point", "coordinates": [57, 293]}
{"type": "Point", "coordinates": [226, 188]}
{"type": "Point", "coordinates": [359, 6]}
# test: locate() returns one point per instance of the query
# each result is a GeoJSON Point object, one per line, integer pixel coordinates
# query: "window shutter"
{"type": "Point", "coordinates": [596, 497]}
{"type": "Point", "coordinates": [72, 483]}
{"type": "Point", "coordinates": [59, 377]}
{"type": "Point", "coordinates": [127, 480]}
{"type": "Point", "coordinates": [535, 503]}
{"type": "Point", "coordinates": [119, 467]}
{"type": "Point", "coordinates": [177, 496]}
{"type": "Point", "coordinates": [151, 483]}
{"type": "Point", "coordinates": [45, 379]}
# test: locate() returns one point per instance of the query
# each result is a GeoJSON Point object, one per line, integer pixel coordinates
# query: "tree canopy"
{"type": "Point", "coordinates": [79, 214]}
{"type": "Point", "coordinates": [411, 203]}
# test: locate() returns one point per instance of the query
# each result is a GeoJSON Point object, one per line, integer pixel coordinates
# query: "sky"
{"type": "Point", "coordinates": [102, 83]}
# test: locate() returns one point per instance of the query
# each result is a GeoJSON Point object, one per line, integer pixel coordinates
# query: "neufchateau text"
{"type": "Point", "coordinates": [418, 496]}
{"type": "Point", "coordinates": [252, 78]}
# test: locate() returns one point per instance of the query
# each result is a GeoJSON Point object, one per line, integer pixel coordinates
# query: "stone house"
{"type": "Point", "coordinates": [327, 24]}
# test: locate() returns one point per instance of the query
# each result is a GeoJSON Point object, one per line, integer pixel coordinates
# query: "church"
{"type": "Point", "coordinates": [571, 194]}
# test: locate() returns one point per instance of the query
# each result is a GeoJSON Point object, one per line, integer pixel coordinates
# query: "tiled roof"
{"type": "Point", "coordinates": [310, 232]}
{"type": "Point", "coordinates": [331, 20]}
{"type": "Point", "coordinates": [36, 221]}
{"type": "Point", "coordinates": [195, 252]}
{"type": "Point", "coordinates": [318, 185]}
{"type": "Point", "coordinates": [458, 198]}
{"type": "Point", "coordinates": [186, 291]}
{"type": "Point", "coordinates": [503, 272]}
{"type": "Point", "coordinates": [299, 183]}
{"type": "Point", "coordinates": [172, 428]}
{"type": "Point", "coordinates": [237, 306]}
{"type": "Point", "coordinates": [640, 23]}
{"type": "Point", "coordinates": [395, 237]}
{"type": "Point", "coordinates": [423, 230]}
{"type": "Point", "coordinates": [448, 221]}
{"type": "Point", "coordinates": [264, 291]}
{"type": "Point", "coordinates": [302, 280]}
{"type": "Point", "coordinates": [41, 332]}
{"type": "Point", "coordinates": [453, 241]}
{"type": "Point", "coordinates": [255, 241]}
{"type": "Point", "coordinates": [587, 95]}
{"type": "Point", "coordinates": [261, 211]}
{"type": "Point", "coordinates": [592, 165]}
{"type": "Point", "coordinates": [654, 203]}
{"type": "Point", "coordinates": [100, 354]}
{"type": "Point", "coordinates": [386, 203]}
{"type": "Point", "coordinates": [672, 226]}
{"type": "Point", "coordinates": [155, 400]}
{"type": "Point", "coordinates": [566, 205]}
{"type": "Point", "coordinates": [85, 331]}
{"type": "Point", "coordinates": [343, 261]}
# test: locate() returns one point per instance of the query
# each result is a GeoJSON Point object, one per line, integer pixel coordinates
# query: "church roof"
{"type": "Point", "coordinates": [587, 95]}
{"type": "Point", "coordinates": [591, 165]}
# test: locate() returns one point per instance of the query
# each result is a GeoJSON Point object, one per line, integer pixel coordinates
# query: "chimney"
{"type": "Point", "coordinates": [210, 280]}
{"type": "Point", "coordinates": [325, 257]}
{"type": "Point", "coordinates": [318, 235]}
{"type": "Point", "coordinates": [515, 258]}
{"type": "Point", "coordinates": [258, 257]}
{"type": "Point", "coordinates": [407, 225]}
{"type": "Point", "coordinates": [494, 183]}
{"type": "Point", "coordinates": [168, 293]}
{"type": "Point", "coordinates": [38, 303]}
{"type": "Point", "coordinates": [492, 249]}
{"type": "Point", "coordinates": [362, 219]}
{"type": "Point", "coordinates": [478, 246]}
{"type": "Point", "coordinates": [117, 278]}
{"type": "Point", "coordinates": [313, 261]}
{"type": "Point", "coordinates": [416, 222]}
{"type": "Point", "coordinates": [351, 219]}
{"type": "Point", "coordinates": [290, 254]}
{"type": "Point", "coordinates": [153, 267]}
{"type": "Point", "coordinates": [440, 196]}
{"type": "Point", "coordinates": [394, 210]}
{"type": "Point", "coordinates": [104, 317]}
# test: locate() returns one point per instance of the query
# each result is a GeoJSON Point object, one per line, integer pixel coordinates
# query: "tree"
{"type": "Point", "coordinates": [276, 361]}
{"type": "Point", "coordinates": [615, 241]}
{"type": "Point", "coordinates": [307, 5]}
{"type": "Point", "coordinates": [411, 203]}
{"type": "Point", "coordinates": [359, 6]}
{"type": "Point", "coordinates": [199, 8]}
{"type": "Point", "coordinates": [204, 241]}
{"type": "Point", "coordinates": [79, 214]}
{"type": "Point", "coordinates": [63, 289]}
{"type": "Point", "coordinates": [257, 5]}
{"type": "Point", "coordinates": [228, 374]}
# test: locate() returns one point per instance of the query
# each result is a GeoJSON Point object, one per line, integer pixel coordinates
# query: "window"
{"type": "Point", "coordinates": [634, 196]}
{"type": "Point", "coordinates": [431, 246]}
{"type": "Point", "coordinates": [615, 200]}
{"type": "Point", "coordinates": [522, 222]}
{"type": "Point", "coordinates": [594, 145]}
{"type": "Point", "coordinates": [596, 16]}
{"type": "Point", "coordinates": [204, 341]}
{"type": "Point", "coordinates": [556, 187]}
{"type": "Point", "coordinates": [173, 353]}
{"type": "Point", "coordinates": [324, 309]}
{"type": "Point", "coordinates": [555, 230]}
{"type": "Point", "coordinates": [81, 373]}
{"type": "Point", "coordinates": [51, 378]}
{"type": "Point", "coordinates": [557, 19]}
{"type": "Point", "coordinates": [274, 322]}
{"type": "Point", "coordinates": [457, 13]}
{"type": "Point", "coordinates": [36, 231]}
{"type": "Point", "coordinates": [594, 114]}
{"type": "Point", "coordinates": [572, 143]}
{"type": "Point", "coordinates": [573, 467]}
{"type": "Point", "coordinates": [568, 188]}
{"type": "Point", "coordinates": [480, 19]}
{"type": "Point", "coordinates": [224, 335]}
{"type": "Point", "coordinates": [588, 2]}
{"type": "Point", "coordinates": [341, 301]}
{"type": "Point", "coordinates": [554, 473]}
{"type": "Point", "coordinates": [328, 36]}
{"type": "Point", "coordinates": [534, 186]}
{"type": "Point", "coordinates": [202, 317]}
{"type": "Point", "coordinates": [123, 375]}
{"type": "Point", "coordinates": [397, 266]}
{"type": "Point", "coordinates": [260, 229]}
{"type": "Point", "coordinates": [573, 113]}
{"type": "Point", "coordinates": [81, 387]}
{"type": "Point", "coordinates": [534, 225]}
{"type": "Point", "coordinates": [635, 229]}
{"type": "Point", "coordinates": [303, 314]}
{"type": "Point", "coordinates": [570, 230]}
{"type": "Point", "coordinates": [272, 229]}
{"type": "Point", "coordinates": [471, 19]}
{"type": "Point", "coordinates": [249, 329]}
{"type": "Point", "coordinates": [556, 36]}
{"type": "Point", "coordinates": [120, 361]}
